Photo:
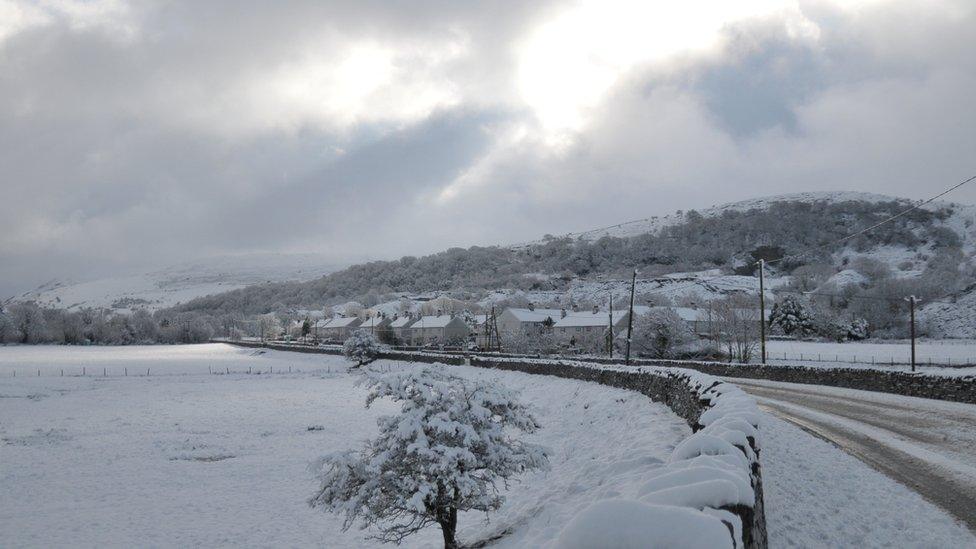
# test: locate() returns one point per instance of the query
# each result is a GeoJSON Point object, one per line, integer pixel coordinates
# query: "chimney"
{"type": "Point", "coordinates": [531, 306]}
{"type": "Point", "coordinates": [562, 313]}
{"type": "Point", "coordinates": [575, 307]}
{"type": "Point", "coordinates": [596, 309]}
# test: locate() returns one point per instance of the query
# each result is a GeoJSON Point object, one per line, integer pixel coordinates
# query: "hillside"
{"type": "Point", "coordinates": [715, 248]}
{"type": "Point", "coordinates": [179, 283]}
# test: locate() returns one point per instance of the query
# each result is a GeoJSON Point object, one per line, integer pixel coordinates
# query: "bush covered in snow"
{"type": "Point", "coordinates": [361, 347]}
{"type": "Point", "coordinates": [444, 453]}
{"type": "Point", "coordinates": [792, 316]}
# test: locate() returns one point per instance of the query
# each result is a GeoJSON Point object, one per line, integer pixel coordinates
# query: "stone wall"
{"type": "Point", "coordinates": [687, 396]}
{"type": "Point", "coordinates": [956, 389]}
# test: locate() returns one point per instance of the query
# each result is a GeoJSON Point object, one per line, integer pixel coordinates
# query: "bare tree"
{"type": "Point", "coordinates": [737, 327]}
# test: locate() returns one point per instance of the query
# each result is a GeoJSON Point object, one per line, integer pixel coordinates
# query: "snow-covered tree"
{"type": "Point", "coordinates": [792, 316]}
{"type": "Point", "coordinates": [446, 452]}
{"type": "Point", "coordinates": [361, 347]}
{"type": "Point", "coordinates": [29, 323]}
{"type": "Point", "coordinates": [858, 329]}
{"type": "Point", "coordinates": [6, 327]}
{"type": "Point", "coordinates": [661, 333]}
{"type": "Point", "coordinates": [270, 326]}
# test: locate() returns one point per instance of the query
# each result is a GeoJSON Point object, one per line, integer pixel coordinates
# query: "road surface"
{"type": "Point", "coordinates": [928, 445]}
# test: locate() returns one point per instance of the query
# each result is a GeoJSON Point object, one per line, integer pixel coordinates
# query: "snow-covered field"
{"type": "Point", "coordinates": [951, 353]}
{"type": "Point", "coordinates": [221, 460]}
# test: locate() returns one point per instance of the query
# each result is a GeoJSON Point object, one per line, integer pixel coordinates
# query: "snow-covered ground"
{"type": "Point", "coordinates": [816, 495]}
{"type": "Point", "coordinates": [221, 460]}
{"type": "Point", "coordinates": [877, 354]}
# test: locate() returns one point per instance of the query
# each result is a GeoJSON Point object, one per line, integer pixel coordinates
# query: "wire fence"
{"type": "Point", "coordinates": [143, 372]}
{"type": "Point", "coordinates": [866, 359]}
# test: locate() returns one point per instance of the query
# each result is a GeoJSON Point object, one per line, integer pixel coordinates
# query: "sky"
{"type": "Point", "coordinates": [136, 135]}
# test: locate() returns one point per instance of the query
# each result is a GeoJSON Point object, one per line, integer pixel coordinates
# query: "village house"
{"type": "Point", "coordinates": [517, 320]}
{"type": "Point", "coordinates": [439, 329]}
{"type": "Point", "coordinates": [401, 328]}
{"type": "Point", "coordinates": [318, 328]}
{"type": "Point", "coordinates": [376, 325]}
{"type": "Point", "coordinates": [339, 328]}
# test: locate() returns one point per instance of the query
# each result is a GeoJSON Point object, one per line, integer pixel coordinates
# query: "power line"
{"type": "Point", "coordinates": [876, 225]}
{"type": "Point", "coordinates": [702, 281]}
{"type": "Point", "coordinates": [867, 297]}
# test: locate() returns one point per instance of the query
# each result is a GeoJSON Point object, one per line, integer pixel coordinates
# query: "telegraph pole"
{"type": "Point", "coordinates": [911, 305]}
{"type": "Point", "coordinates": [630, 317]}
{"type": "Point", "coordinates": [610, 345]}
{"type": "Point", "coordinates": [762, 311]}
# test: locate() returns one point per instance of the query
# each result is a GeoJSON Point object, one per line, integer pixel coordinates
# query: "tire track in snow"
{"type": "Point", "coordinates": [926, 445]}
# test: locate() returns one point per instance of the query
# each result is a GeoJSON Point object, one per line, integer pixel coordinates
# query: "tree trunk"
{"type": "Point", "coordinates": [448, 522]}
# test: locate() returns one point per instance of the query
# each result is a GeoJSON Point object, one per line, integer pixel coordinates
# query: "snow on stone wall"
{"type": "Point", "coordinates": [713, 477]}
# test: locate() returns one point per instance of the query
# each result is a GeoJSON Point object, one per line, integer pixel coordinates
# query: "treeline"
{"type": "Point", "coordinates": [728, 241]}
{"type": "Point", "coordinates": [30, 324]}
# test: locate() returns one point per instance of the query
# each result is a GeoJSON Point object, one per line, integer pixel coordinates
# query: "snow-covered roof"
{"type": "Point", "coordinates": [401, 322]}
{"type": "Point", "coordinates": [343, 322]}
{"type": "Point", "coordinates": [433, 321]}
{"type": "Point", "coordinates": [373, 322]}
{"type": "Point", "coordinates": [322, 323]}
{"type": "Point", "coordinates": [535, 315]}
{"type": "Point", "coordinates": [599, 318]}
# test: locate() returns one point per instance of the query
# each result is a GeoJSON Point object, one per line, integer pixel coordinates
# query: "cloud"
{"type": "Point", "coordinates": [134, 135]}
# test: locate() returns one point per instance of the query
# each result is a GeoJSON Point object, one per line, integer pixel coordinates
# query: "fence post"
{"type": "Point", "coordinates": [126, 371]}
{"type": "Point", "coordinates": [147, 372]}
{"type": "Point", "coordinates": [83, 373]}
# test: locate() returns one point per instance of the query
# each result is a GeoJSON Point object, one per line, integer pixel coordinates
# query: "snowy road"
{"type": "Point", "coordinates": [928, 445]}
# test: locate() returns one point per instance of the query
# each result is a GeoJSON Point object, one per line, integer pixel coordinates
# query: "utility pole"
{"type": "Point", "coordinates": [488, 331]}
{"type": "Point", "coordinates": [630, 316]}
{"type": "Point", "coordinates": [762, 311]}
{"type": "Point", "coordinates": [610, 345]}
{"type": "Point", "coordinates": [911, 305]}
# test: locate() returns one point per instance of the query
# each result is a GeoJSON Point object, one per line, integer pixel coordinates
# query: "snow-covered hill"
{"type": "Point", "coordinates": [180, 283]}
{"type": "Point", "coordinates": [962, 221]}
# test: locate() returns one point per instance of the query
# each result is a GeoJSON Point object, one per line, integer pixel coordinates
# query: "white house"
{"type": "Point", "coordinates": [438, 329]}
{"type": "Point", "coordinates": [517, 320]}
{"type": "Point", "coordinates": [375, 325]}
{"type": "Point", "coordinates": [401, 327]}
{"type": "Point", "coordinates": [339, 328]}
{"type": "Point", "coordinates": [318, 328]}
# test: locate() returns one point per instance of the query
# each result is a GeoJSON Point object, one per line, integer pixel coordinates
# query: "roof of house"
{"type": "Point", "coordinates": [401, 322]}
{"type": "Point", "coordinates": [343, 322]}
{"type": "Point", "coordinates": [373, 322]}
{"type": "Point", "coordinates": [433, 321]}
{"type": "Point", "coordinates": [321, 323]}
{"type": "Point", "coordinates": [600, 318]}
{"type": "Point", "coordinates": [535, 315]}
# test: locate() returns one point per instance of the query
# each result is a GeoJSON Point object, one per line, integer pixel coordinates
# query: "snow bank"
{"type": "Point", "coordinates": [712, 478]}
{"type": "Point", "coordinates": [626, 524]}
